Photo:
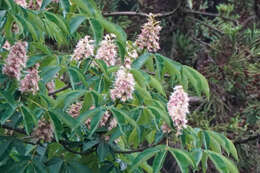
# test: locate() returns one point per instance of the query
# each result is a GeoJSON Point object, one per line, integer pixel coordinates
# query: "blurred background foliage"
{"type": "Point", "coordinates": [226, 49]}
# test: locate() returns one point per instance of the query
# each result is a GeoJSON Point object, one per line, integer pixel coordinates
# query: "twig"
{"type": "Point", "coordinates": [205, 24]}
{"type": "Point", "coordinates": [139, 149]}
{"type": "Point", "coordinates": [246, 22]}
{"type": "Point", "coordinates": [59, 90]}
{"type": "Point", "coordinates": [250, 138]}
{"type": "Point", "coordinates": [125, 13]}
{"type": "Point", "coordinates": [133, 13]}
{"type": "Point", "coordinates": [19, 130]}
{"type": "Point", "coordinates": [166, 14]}
{"type": "Point", "coordinates": [64, 144]}
{"type": "Point", "coordinates": [209, 14]}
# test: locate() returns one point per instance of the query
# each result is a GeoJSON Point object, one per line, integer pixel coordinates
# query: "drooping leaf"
{"type": "Point", "coordinates": [65, 118]}
{"type": "Point", "coordinates": [65, 5]}
{"type": "Point", "coordinates": [95, 121]}
{"type": "Point", "coordinates": [75, 22]}
{"type": "Point", "coordinates": [97, 30]}
{"type": "Point", "coordinates": [64, 100]}
{"type": "Point", "coordinates": [88, 6]}
{"type": "Point", "coordinates": [45, 3]}
{"type": "Point", "coordinates": [35, 59]}
{"type": "Point", "coordinates": [201, 82]}
{"type": "Point", "coordinates": [158, 161]}
{"type": "Point", "coordinates": [48, 72]}
{"type": "Point", "coordinates": [144, 156]}
{"type": "Point", "coordinates": [157, 85]}
{"type": "Point", "coordinates": [183, 159]}
{"type": "Point", "coordinates": [140, 61]}
{"type": "Point", "coordinates": [28, 118]}
{"type": "Point", "coordinates": [222, 164]}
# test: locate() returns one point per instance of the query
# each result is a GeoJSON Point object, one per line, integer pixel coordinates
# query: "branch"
{"type": "Point", "coordinates": [208, 14]}
{"type": "Point", "coordinates": [205, 24]}
{"type": "Point", "coordinates": [62, 89]}
{"type": "Point", "coordinates": [65, 143]}
{"type": "Point", "coordinates": [166, 14]}
{"type": "Point", "coordinates": [250, 138]}
{"type": "Point", "coordinates": [19, 130]}
{"type": "Point", "coordinates": [133, 13]}
{"type": "Point", "coordinates": [59, 90]}
{"type": "Point", "coordinates": [139, 149]}
{"type": "Point", "coordinates": [125, 13]}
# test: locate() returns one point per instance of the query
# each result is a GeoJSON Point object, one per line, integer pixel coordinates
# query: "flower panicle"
{"type": "Point", "coordinates": [123, 85]}
{"type": "Point", "coordinates": [149, 36]}
{"type": "Point", "coordinates": [16, 60]}
{"type": "Point", "coordinates": [178, 107]}
{"type": "Point", "coordinates": [44, 131]}
{"type": "Point", "coordinates": [84, 48]}
{"type": "Point", "coordinates": [107, 50]}
{"type": "Point", "coordinates": [30, 82]}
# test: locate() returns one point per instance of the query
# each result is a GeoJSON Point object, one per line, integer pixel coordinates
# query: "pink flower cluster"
{"type": "Point", "coordinates": [178, 107]}
{"type": "Point", "coordinates": [149, 37]}
{"type": "Point", "coordinates": [33, 4]}
{"type": "Point", "coordinates": [21, 3]}
{"type": "Point", "coordinates": [84, 48]}
{"type": "Point", "coordinates": [16, 60]}
{"type": "Point", "coordinates": [108, 50]}
{"type": "Point", "coordinates": [74, 111]}
{"type": "Point", "coordinates": [30, 82]}
{"type": "Point", "coordinates": [131, 55]}
{"type": "Point", "coordinates": [44, 131]}
{"type": "Point", "coordinates": [123, 85]}
{"type": "Point", "coordinates": [6, 45]}
{"type": "Point", "coordinates": [50, 86]}
{"type": "Point", "coordinates": [165, 128]}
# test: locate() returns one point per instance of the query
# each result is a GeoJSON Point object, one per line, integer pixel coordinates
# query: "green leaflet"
{"type": "Point", "coordinates": [222, 164]}
{"type": "Point", "coordinates": [183, 159]}
{"type": "Point", "coordinates": [144, 156]}
{"type": "Point", "coordinates": [75, 22]}
{"type": "Point", "coordinates": [97, 30]}
{"type": "Point", "coordinates": [140, 61]}
{"type": "Point", "coordinates": [158, 161]}
{"type": "Point", "coordinates": [28, 118]}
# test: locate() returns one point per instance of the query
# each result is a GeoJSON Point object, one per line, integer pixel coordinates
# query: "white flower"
{"type": "Point", "coordinates": [149, 37]}
{"type": "Point", "coordinates": [178, 107]}
{"type": "Point", "coordinates": [123, 85]}
{"type": "Point", "coordinates": [84, 48]}
{"type": "Point", "coordinates": [108, 50]}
